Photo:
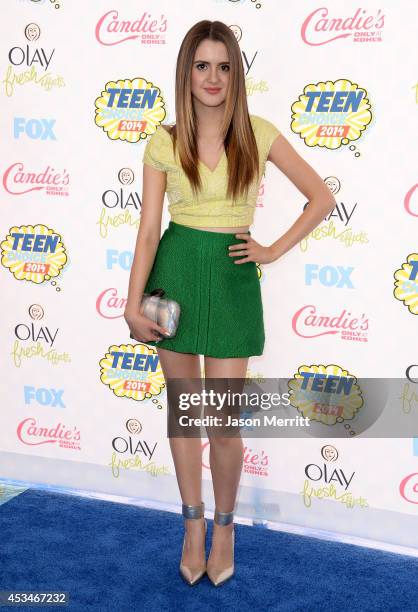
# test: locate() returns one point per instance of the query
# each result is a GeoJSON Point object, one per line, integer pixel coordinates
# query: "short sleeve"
{"type": "Point", "coordinates": [155, 153]}
{"type": "Point", "coordinates": [267, 134]}
{"type": "Point", "coordinates": [270, 133]}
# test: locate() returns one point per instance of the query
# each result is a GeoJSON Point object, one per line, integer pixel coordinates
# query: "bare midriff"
{"type": "Point", "coordinates": [225, 230]}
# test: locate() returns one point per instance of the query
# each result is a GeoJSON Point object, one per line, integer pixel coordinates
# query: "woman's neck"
{"type": "Point", "coordinates": [209, 120]}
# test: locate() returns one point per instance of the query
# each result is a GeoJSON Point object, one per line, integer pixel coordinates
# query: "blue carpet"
{"type": "Point", "coordinates": [118, 558]}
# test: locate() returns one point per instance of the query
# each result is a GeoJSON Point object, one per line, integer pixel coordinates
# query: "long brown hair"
{"type": "Point", "coordinates": [239, 140]}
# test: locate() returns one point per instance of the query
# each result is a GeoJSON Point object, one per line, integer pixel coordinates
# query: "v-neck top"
{"type": "Point", "coordinates": [211, 207]}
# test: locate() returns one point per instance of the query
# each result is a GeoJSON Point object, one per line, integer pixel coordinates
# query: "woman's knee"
{"type": "Point", "coordinates": [219, 441]}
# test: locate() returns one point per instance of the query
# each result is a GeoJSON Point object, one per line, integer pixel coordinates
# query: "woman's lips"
{"type": "Point", "coordinates": [213, 90]}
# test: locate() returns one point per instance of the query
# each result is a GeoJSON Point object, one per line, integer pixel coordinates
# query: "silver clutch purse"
{"type": "Point", "coordinates": [163, 311]}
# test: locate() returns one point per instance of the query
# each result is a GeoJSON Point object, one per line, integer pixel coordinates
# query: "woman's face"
{"type": "Point", "coordinates": [210, 71]}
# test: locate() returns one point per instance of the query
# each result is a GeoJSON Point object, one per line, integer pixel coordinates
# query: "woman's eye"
{"type": "Point", "coordinates": [198, 66]}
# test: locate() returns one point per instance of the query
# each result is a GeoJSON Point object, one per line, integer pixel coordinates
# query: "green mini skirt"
{"type": "Point", "coordinates": [221, 305]}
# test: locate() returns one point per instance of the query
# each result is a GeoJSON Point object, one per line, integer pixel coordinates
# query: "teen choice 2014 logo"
{"type": "Point", "coordinates": [130, 109]}
{"type": "Point", "coordinates": [406, 283]}
{"type": "Point", "coordinates": [34, 253]}
{"type": "Point", "coordinates": [326, 394]}
{"type": "Point", "coordinates": [133, 371]}
{"type": "Point", "coordinates": [331, 114]}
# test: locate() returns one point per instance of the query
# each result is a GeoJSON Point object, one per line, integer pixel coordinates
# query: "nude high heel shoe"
{"type": "Point", "coordinates": [218, 575]}
{"type": "Point", "coordinates": [192, 575]}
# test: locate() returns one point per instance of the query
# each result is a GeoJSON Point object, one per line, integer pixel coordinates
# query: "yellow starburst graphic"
{"type": "Point", "coordinates": [326, 394]}
{"type": "Point", "coordinates": [330, 114]}
{"type": "Point", "coordinates": [34, 253]}
{"type": "Point", "coordinates": [132, 371]}
{"type": "Point", "coordinates": [406, 285]}
{"type": "Point", "coordinates": [130, 109]}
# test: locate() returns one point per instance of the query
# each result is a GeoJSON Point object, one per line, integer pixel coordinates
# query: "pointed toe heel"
{"type": "Point", "coordinates": [218, 575]}
{"type": "Point", "coordinates": [192, 575]}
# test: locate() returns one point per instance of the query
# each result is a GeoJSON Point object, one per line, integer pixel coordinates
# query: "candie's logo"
{"type": "Point", "coordinates": [133, 371]}
{"type": "Point", "coordinates": [34, 253]}
{"type": "Point", "coordinates": [411, 201]}
{"type": "Point", "coordinates": [312, 322]}
{"type": "Point", "coordinates": [406, 283]}
{"type": "Point", "coordinates": [408, 488]}
{"type": "Point", "coordinates": [255, 462]}
{"type": "Point", "coordinates": [30, 433]}
{"type": "Point", "coordinates": [320, 28]}
{"type": "Point", "coordinates": [18, 180]}
{"type": "Point", "coordinates": [331, 114]}
{"type": "Point", "coordinates": [145, 29]}
{"type": "Point", "coordinates": [130, 110]}
{"type": "Point", "coordinates": [326, 394]}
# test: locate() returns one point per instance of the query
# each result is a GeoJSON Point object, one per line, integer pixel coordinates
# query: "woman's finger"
{"type": "Point", "coordinates": [234, 247]}
{"type": "Point", "coordinates": [240, 261]}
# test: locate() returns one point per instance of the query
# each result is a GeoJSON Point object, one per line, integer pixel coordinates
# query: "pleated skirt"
{"type": "Point", "coordinates": [221, 304]}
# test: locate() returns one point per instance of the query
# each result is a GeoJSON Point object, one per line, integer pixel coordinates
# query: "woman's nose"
{"type": "Point", "coordinates": [213, 75]}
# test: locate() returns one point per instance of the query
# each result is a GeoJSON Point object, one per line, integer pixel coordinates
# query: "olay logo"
{"type": "Point", "coordinates": [18, 181]}
{"type": "Point", "coordinates": [19, 56]}
{"type": "Point", "coordinates": [113, 30]}
{"type": "Point", "coordinates": [29, 433]}
{"type": "Point", "coordinates": [119, 198]}
{"type": "Point", "coordinates": [308, 323]}
{"type": "Point", "coordinates": [409, 488]}
{"type": "Point", "coordinates": [109, 305]}
{"type": "Point", "coordinates": [40, 333]}
{"type": "Point", "coordinates": [410, 201]}
{"type": "Point", "coordinates": [320, 29]}
{"type": "Point", "coordinates": [410, 373]}
{"type": "Point", "coordinates": [328, 475]}
{"type": "Point", "coordinates": [35, 62]}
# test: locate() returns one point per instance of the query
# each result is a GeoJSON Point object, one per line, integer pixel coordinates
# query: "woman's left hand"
{"type": "Point", "coordinates": [251, 250]}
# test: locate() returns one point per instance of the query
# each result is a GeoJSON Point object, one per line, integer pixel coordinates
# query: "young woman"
{"type": "Point", "coordinates": [210, 163]}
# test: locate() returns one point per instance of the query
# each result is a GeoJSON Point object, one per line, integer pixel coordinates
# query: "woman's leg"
{"type": "Point", "coordinates": [226, 459]}
{"type": "Point", "coordinates": [187, 454]}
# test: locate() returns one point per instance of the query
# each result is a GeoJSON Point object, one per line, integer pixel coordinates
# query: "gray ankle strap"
{"type": "Point", "coordinates": [193, 512]}
{"type": "Point", "coordinates": [223, 518]}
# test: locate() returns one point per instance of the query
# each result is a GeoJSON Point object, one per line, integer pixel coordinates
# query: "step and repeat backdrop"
{"type": "Point", "coordinates": [83, 87]}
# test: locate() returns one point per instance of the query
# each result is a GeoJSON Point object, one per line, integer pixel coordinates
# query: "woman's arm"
{"type": "Point", "coordinates": [153, 190]}
{"type": "Point", "coordinates": [304, 177]}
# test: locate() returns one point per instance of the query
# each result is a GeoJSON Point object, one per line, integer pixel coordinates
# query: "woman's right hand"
{"type": "Point", "coordinates": [144, 329]}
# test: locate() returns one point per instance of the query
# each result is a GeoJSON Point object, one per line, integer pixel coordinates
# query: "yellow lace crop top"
{"type": "Point", "coordinates": [211, 208]}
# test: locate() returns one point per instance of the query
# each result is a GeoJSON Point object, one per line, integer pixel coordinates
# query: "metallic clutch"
{"type": "Point", "coordinates": [161, 310]}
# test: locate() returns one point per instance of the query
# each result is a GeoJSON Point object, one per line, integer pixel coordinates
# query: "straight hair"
{"type": "Point", "coordinates": [239, 140]}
